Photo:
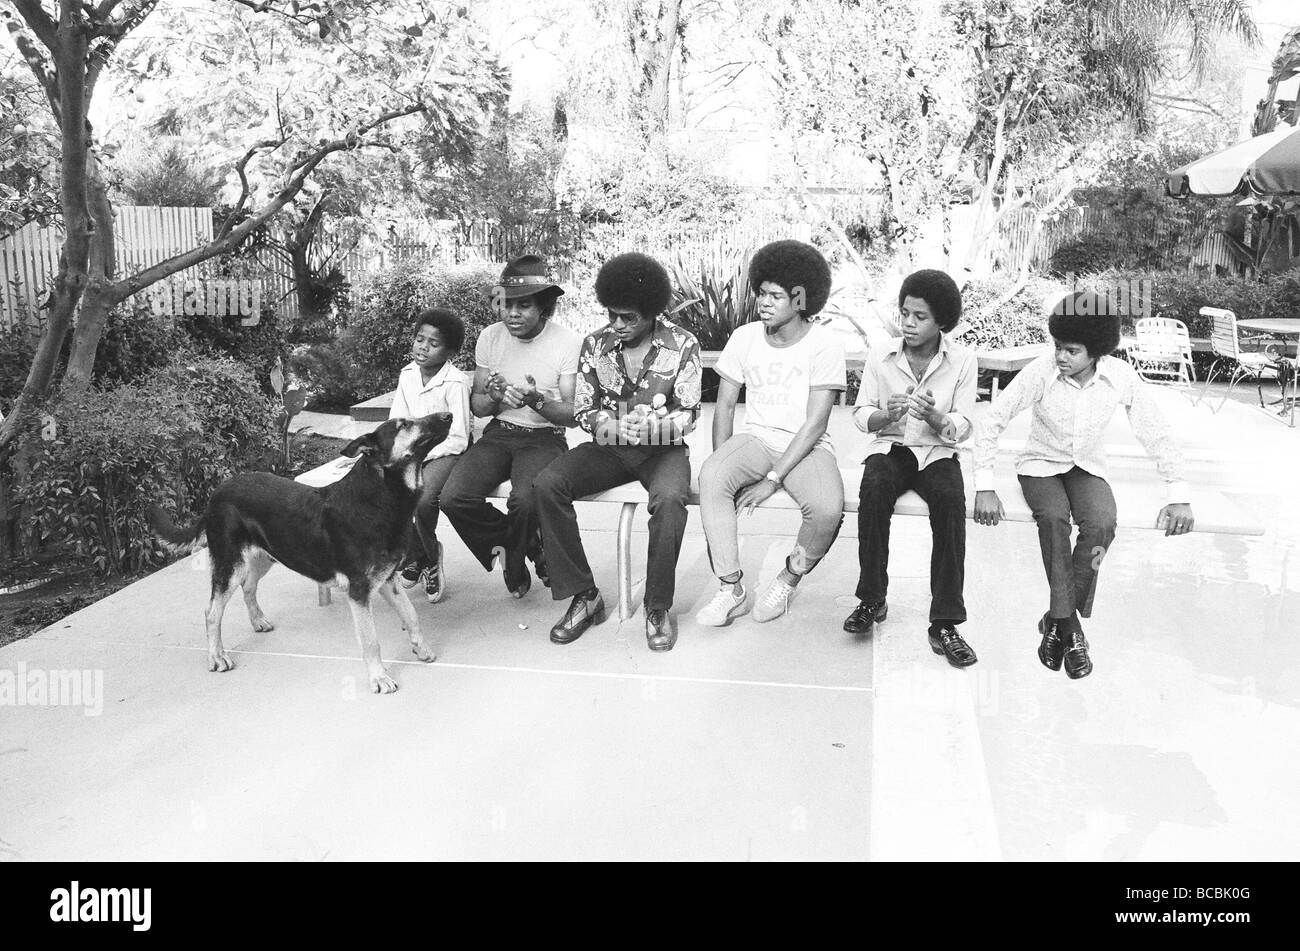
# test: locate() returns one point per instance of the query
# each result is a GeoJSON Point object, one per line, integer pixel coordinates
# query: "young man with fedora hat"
{"type": "Point", "coordinates": [525, 367]}
{"type": "Point", "coordinates": [638, 394]}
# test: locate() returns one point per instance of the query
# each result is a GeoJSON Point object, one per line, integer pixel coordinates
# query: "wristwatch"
{"type": "Point", "coordinates": [773, 478]}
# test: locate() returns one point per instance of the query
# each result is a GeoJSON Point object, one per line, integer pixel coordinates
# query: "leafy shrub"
{"type": "Point", "coordinates": [257, 347]}
{"type": "Point", "coordinates": [331, 374]}
{"type": "Point", "coordinates": [135, 343]}
{"type": "Point", "coordinates": [714, 300]}
{"type": "Point", "coordinates": [1182, 294]}
{"type": "Point", "coordinates": [386, 305]}
{"type": "Point", "coordinates": [1021, 320]}
{"type": "Point", "coordinates": [17, 348]}
{"type": "Point", "coordinates": [107, 453]}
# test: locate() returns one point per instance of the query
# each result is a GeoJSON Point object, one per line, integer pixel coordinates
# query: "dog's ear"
{"type": "Point", "coordinates": [365, 445]}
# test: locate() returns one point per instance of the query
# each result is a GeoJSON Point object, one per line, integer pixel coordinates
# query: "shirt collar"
{"type": "Point", "coordinates": [1106, 370]}
{"type": "Point", "coordinates": [439, 377]}
{"type": "Point", "coordinates": [896, 345]}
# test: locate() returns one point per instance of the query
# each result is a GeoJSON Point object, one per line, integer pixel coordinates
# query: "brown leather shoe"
{"type": "Point", "coordinates": [582, 614]}
{"type": "Point", "coordinates": [944, 639]}
{"type": "Point", "coordinates": [660, 630]}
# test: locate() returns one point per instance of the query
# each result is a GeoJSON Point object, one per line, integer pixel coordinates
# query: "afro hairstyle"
{"type": "Point", "coordinates": [939, 291]}
{"type": "Point", "coordinates": [634, 281]}
{"type": "Point", "coordinates": [450, 327]}
{"type": "Point", "coordinates": [1086, 318]}
{"type": "Point", "coordinates": [793, 265]}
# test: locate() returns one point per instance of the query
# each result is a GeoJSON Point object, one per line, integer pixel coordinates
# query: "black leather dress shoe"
{"type": "Point", "coordinates": [864, 616]}
{"type": "Point", "coordinates": [517, 584]}
{"type": "Point", "coordinates": [945, 640]}
{"type": "Point", "coordinates": [660, 630]}
{"type": "Point", "coordinates": [1077, 662]}
{"type": "Point", "coordinates": [582, 614]}
{"type": "Point", "coordinates": [1053, 643]}
{"type": "Point", "coordinates": [538, 557]}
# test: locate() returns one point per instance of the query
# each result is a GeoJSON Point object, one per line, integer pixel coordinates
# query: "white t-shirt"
{"type": "Point", "coordinates": [777, 380]}
{"type": "Point", "coordinates": [553, 353]}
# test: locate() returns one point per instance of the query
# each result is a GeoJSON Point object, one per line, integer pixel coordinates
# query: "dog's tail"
{"type": "Point", "coordinates": [180, 540]}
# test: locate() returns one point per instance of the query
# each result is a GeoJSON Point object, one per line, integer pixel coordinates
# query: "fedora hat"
{"type": "Point", "coordinates": [525, 276]}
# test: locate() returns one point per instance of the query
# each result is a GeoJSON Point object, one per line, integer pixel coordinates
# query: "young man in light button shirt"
{"type": "Point", "coordinates": [917, 397]}
{"type": "Point", "coordinates": [1074, 392]}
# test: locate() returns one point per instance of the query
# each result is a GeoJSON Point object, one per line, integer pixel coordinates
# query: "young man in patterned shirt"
{"type": "Point", "coordinates": [1073, 393]}
{"type": "Point", "coordinates": [638, 394]}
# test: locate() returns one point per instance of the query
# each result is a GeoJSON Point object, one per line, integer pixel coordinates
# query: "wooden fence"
{"type": "Point", "coordinates": [1166, 243]}
{"type": "Point", "coordinates": [29, 258]}
{"type": "Point", "coordinates": [147, 235]}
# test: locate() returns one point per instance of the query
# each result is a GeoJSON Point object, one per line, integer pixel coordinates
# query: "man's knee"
{"type": "Point", "coordinates": [823, 517]}
{"type": "Point", "coordinates": [669, 498]}
{"type": "Point", "coordinates": [1098, 525]}
{"type": "Point", "coordinates": [552, 483]}
{"type": "Point", "coordinates": [947, 500]}
{"type": "Point", "coordinates": [877, 482]}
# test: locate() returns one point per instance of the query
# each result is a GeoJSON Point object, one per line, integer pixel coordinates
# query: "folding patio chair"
{"type": "Point", "coordinates": [1163, 352]}
{"type": "Point", "coordinates": [1240, 364]}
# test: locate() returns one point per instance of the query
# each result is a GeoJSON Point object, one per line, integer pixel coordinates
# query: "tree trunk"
{"type": "Point", "coordinates": [68, 51]}
{"type": "Point", "coordinates": [99, 297]}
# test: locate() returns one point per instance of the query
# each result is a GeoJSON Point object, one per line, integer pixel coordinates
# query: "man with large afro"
{"type": "Point", "coordinates": [634, 281]}
{"type": "Point", "coordinates": [1073, 392]}
{"type": "Point", "coordinates": [792, 370]}
{"type": "Point", "coordinates": [798, 268]}
{"type": "Point", "coordinates": [1086, 318]}
{"type": "Point", "coordinates": [638, 394]}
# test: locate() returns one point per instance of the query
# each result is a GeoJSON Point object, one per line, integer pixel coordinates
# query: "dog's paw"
{"type": "Point", "coordinates": [220, 663]}
{"type": "Point", "coordinates": [384, 684]}
{"type": "Point", "coordinates": [423, 653]}
{"type": "Point", "coordinates": [262, 625]}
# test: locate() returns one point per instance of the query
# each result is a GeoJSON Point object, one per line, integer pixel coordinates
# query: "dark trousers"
{"type": "Point", "coordinates": [665, 471]}
{"type": "Point", "coordinates": [502, 453]}
{"type": "Point", "coordinates": [1072, 576]}
{"type": "Point", "coordinates": [886, 476]}
{"type": "Point", "coordinates": [423, 548]}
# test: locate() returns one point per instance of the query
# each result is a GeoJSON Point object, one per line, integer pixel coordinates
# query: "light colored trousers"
{"type": "Point", "coordinates": [814, 483]}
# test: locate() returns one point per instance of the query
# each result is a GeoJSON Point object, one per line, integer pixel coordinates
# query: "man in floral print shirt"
{"type": "Point", "coordinates": [638, 394]}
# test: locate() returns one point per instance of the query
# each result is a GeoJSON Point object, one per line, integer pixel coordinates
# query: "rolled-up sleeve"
{"type": "Point", "coordinates": [868, 400]}
{"type": "Point", "coordinates": [1018, 395]}
{"type": "Point", "coordinates": [959, 425]}
{"type": "Point", "coordinates": [456, 394]}
{"type": "Point", "coordinates": [1153, 431]}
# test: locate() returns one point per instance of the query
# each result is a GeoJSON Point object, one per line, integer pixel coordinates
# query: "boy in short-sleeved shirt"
{"type": "Point", "coordinates": [791, 370]}
{"type": "Point", "coordinates": [777, 380]}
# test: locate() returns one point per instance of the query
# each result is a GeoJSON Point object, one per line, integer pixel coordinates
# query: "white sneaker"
{"type": "Point", "coordinates": [774, 601]}
{"type": "Point", "coordinates": [725, 607]}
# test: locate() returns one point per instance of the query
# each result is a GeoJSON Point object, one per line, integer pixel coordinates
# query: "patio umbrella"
{"type": "Point", "coordinates": [1268, 164]}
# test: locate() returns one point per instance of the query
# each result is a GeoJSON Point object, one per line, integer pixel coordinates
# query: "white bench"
{"type": "Point", "coordinates": [1137, 505]}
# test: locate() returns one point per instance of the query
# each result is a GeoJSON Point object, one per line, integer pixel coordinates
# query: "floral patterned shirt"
{"type": "Point", "coordinates": [667, 382]}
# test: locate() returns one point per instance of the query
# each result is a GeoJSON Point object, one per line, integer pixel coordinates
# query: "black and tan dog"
{"type": "Point", "coordinates": [352, 533]}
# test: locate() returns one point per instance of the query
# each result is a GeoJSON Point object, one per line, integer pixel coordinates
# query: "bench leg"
{"type": "Point", "coordinates": [322, 595]}
{"type": "Point", "coordinates": [993, 387]}
{"type": "Point", "coordinates": [625, 605]}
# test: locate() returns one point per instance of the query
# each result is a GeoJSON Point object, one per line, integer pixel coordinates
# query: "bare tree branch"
{"type": "Point", "coordinates": [240, 169]}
